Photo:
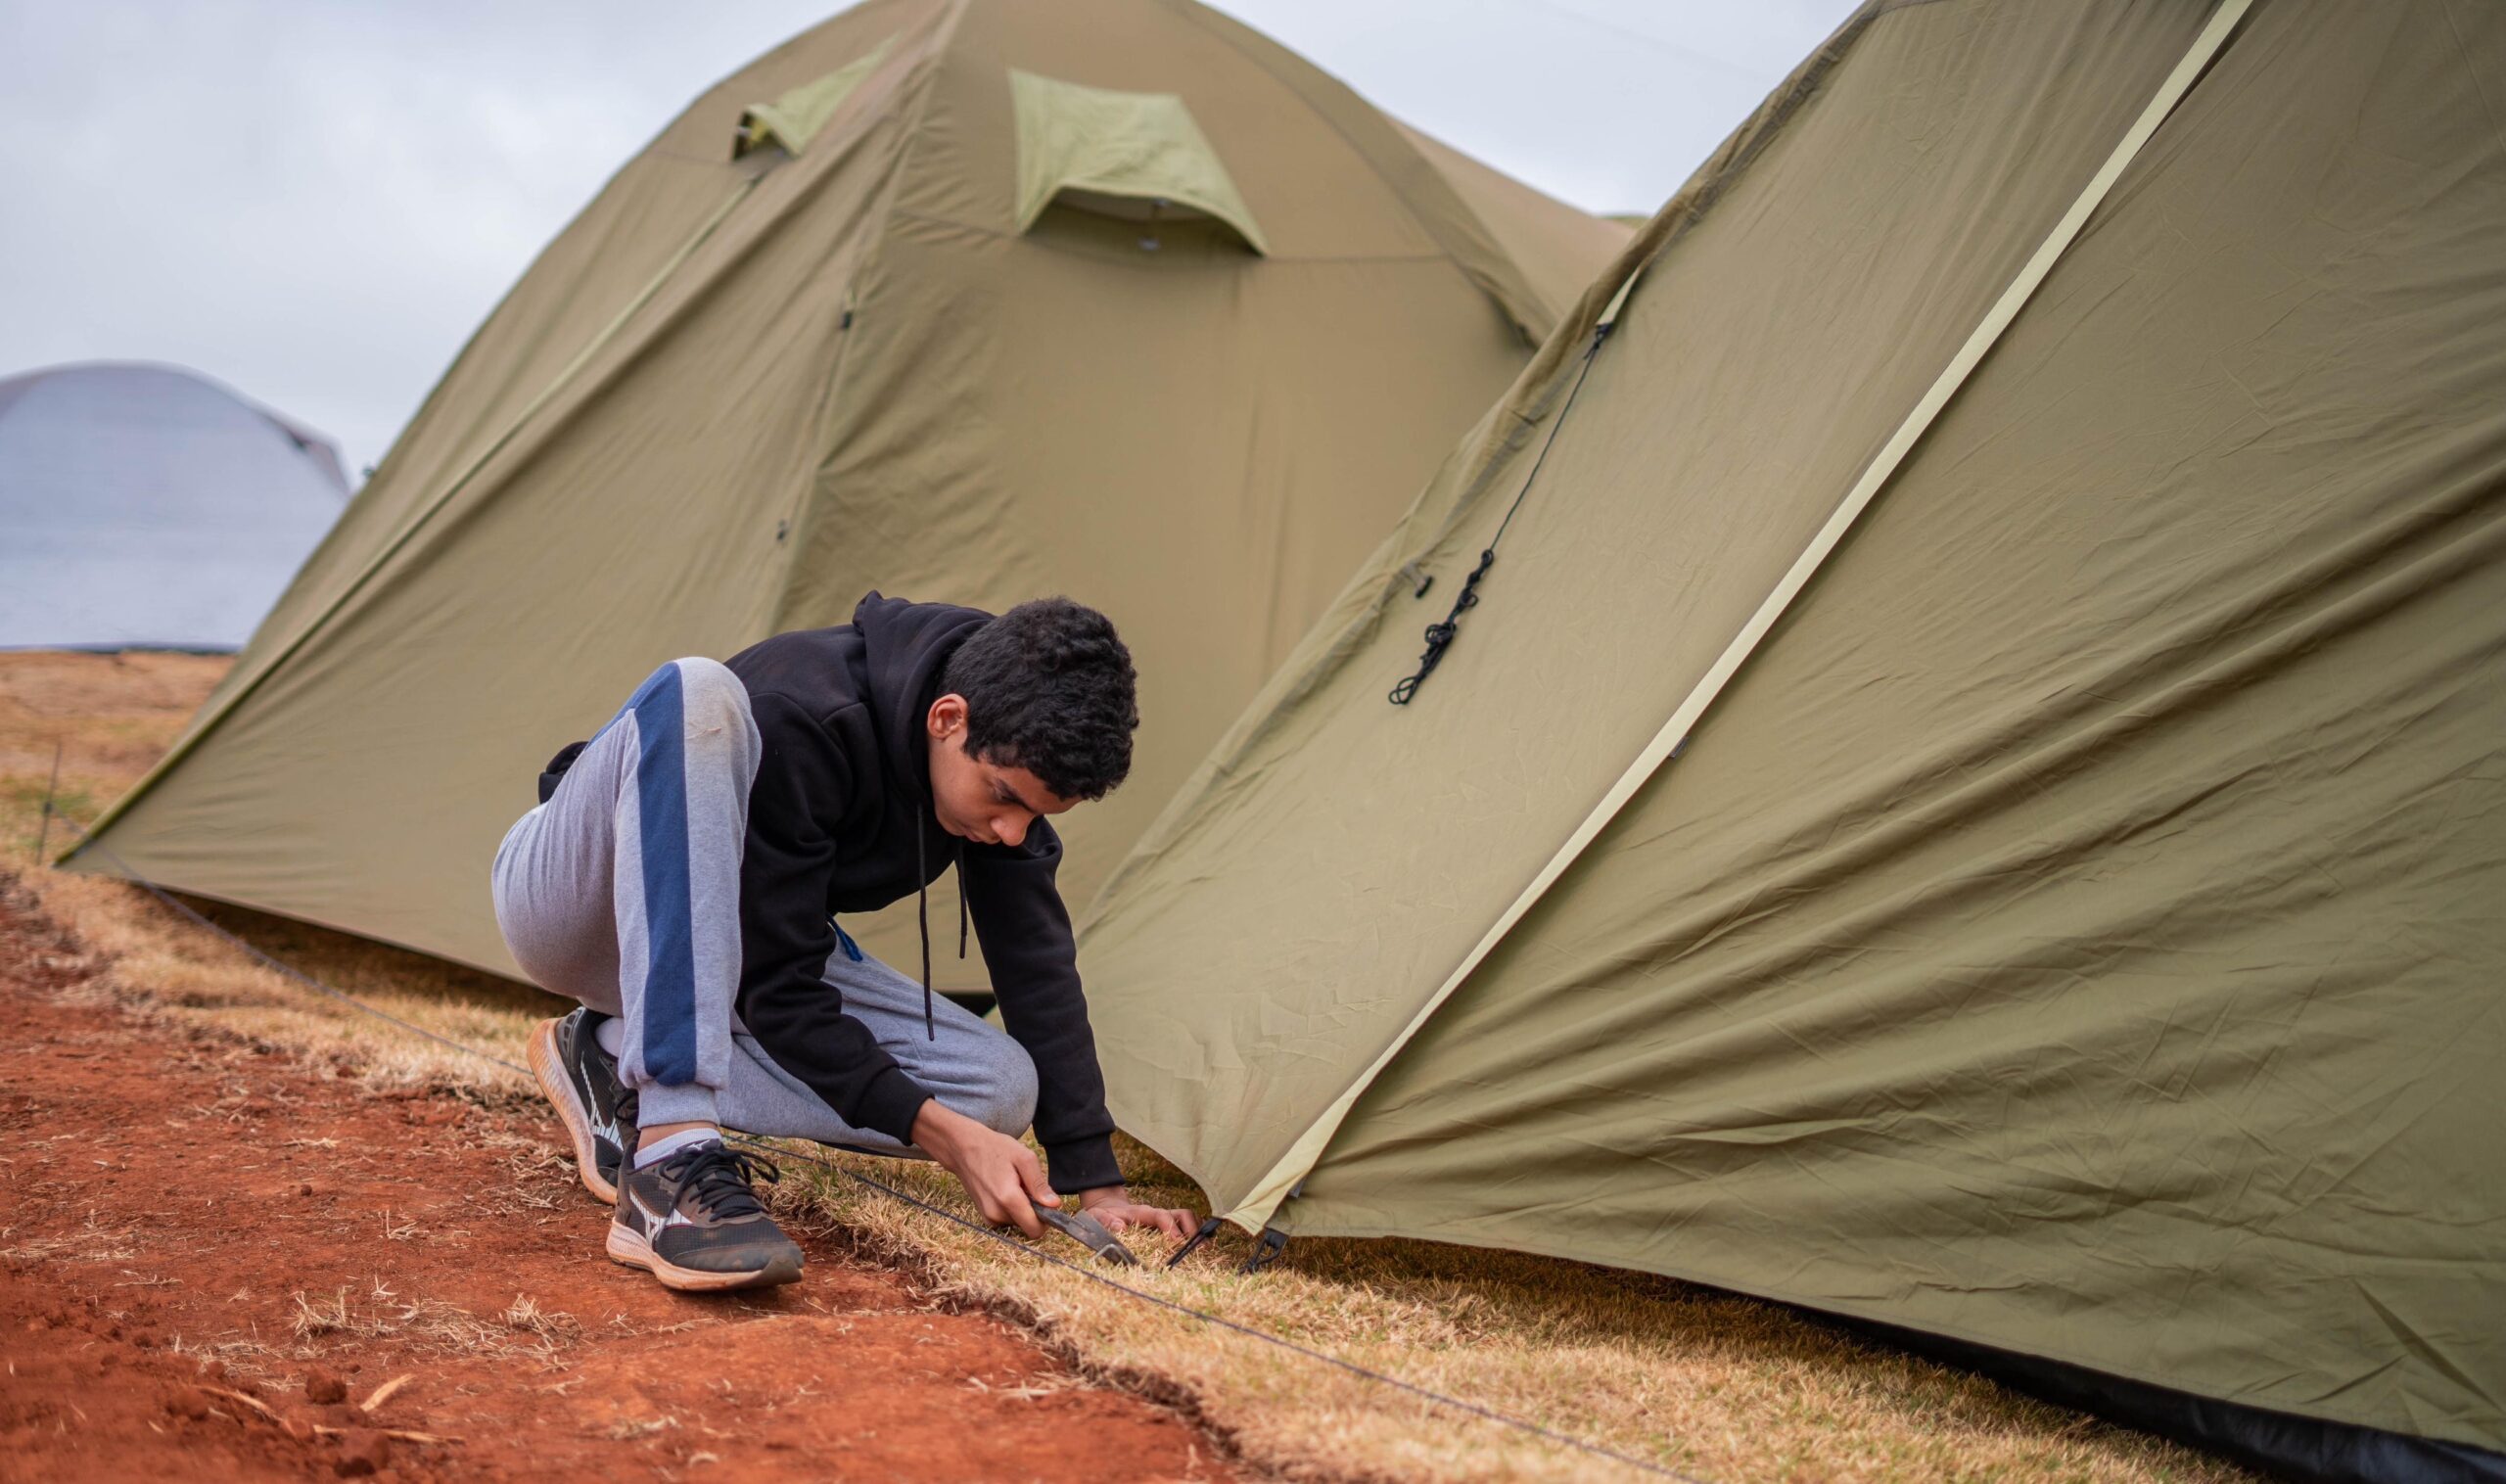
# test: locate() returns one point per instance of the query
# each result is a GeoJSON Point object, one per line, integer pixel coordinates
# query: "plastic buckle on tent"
{"type": "Point", "coordinates": [1192, 1243]}
{"type": "Point", "coordinates": [1268, 1251]}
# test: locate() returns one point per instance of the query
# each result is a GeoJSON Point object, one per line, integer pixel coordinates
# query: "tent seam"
{"type": "Point", "coordinates": [202, 729]}
{"type": "Point", "coordinates": [367, 571]}
{"type": "Point", "coordinates": [1548, 365]}
{"type": "Point", "coordinates": [1257, 1205]}
{"type": "Point", "coordinates": [805, 507]}
{"type": "Point", "coordinates": [1505, 293]}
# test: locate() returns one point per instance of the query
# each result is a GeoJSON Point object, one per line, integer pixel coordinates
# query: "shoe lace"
{"type": "Point", "coordinates": [723, 1178]}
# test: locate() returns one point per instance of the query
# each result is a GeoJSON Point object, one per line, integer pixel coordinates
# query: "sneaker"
{"type": "Point", "coordinates": [581, 1081]}
{"type": "Point", "coordinates": [694, 1222]}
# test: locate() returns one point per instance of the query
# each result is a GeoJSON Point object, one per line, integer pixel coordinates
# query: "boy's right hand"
{"type": "Point", "coordinates": [1000, 1173]}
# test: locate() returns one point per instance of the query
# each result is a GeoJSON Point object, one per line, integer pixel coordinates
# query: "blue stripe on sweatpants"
{"type": "Point", "coordinates": [662, 846]}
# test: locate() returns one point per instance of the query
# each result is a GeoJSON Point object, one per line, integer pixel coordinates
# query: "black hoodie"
{"type": "Point", "coordinates": [840, 820]}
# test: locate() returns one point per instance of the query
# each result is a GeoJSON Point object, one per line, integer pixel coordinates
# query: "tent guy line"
{"type": "Point", "coordinates": [1440, 636]}
{"type": "Point", "coordinates": [295, 975]}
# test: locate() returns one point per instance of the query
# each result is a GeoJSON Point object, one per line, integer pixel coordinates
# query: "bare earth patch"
{"type": "Point", "coordinates": [216, 1257]}
{"type": "Point", "coordinates": [462, 1244]}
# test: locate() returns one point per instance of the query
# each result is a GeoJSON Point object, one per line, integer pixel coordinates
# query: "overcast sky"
{"type": "Point", "coordinates": [316, 201]}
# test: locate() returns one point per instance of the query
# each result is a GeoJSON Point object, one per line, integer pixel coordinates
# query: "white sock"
{"type": "Point", "coordinates": [611, 1032]}
{"type": "Point", "coordinates": [686, 1139]}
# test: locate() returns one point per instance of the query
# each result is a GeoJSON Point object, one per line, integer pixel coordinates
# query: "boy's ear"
{"type": "Point", "coordinates": [946, 716]}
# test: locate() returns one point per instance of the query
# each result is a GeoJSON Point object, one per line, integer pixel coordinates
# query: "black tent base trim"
{"type": "Point", "coordinates": [2279, 1444]}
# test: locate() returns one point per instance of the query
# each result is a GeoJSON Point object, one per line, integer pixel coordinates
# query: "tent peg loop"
{"type": "Point", "coordinates": [1266, 1251]}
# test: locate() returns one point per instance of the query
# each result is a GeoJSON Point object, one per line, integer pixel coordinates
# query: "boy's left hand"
{"type": "Point", "coordinates": [1114, 1207]}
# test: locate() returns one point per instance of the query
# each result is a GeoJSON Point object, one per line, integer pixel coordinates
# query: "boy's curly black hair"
{"type": "Point", "coordinates": [1050, 688]}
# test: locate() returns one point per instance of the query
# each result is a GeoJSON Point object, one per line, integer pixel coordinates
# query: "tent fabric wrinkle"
{"type": "Point", "coordinates": [1397, 564]}
{"type": "Point", "coordinates": [2070, 932]}
{"type": "Point", "coordinates": [253, 666]}
{"type": "Point", "coordinates": [733, 395]}
{"type": "Point", "coordinates": [1083, 142]}
{"type": "Point", "coordinates": [1264, 1199]}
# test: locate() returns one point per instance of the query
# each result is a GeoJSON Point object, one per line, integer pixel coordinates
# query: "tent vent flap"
{"type": "Point", "coordinates": [1131, 156]}
{"type": "Point", "coordinates": [794, 117]}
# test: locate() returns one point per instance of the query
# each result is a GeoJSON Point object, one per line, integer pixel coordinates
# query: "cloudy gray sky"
{"type": "Point", "coordinates": [316, 201]}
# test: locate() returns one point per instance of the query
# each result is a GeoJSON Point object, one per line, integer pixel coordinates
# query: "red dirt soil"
{"type": "Point", "coordinates": [189, 1220]}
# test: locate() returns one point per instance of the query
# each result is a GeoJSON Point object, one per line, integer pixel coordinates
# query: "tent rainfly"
{"type": "Point", "coordinates": [1973, 793]}
{"type": "Point", "coordinates": [146, 507]}
{"type": "Point", "coordinates": [963, 299]}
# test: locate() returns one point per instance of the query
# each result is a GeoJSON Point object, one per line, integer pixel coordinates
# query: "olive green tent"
{"type": "Point", "coordinates": [1972, 794]}
{"type": "Point", "coordinates": [963, 299]}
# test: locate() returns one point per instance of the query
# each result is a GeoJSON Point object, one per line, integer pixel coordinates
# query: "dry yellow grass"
{"type": "Point", "coordinates": [1712, 1385]}
{"type": "Point", "coordinates": [176, 972]}
{"type": "Point", "coordinates": [1715, 1386]}
{"type": "Point", "coordinates": [111, 716]}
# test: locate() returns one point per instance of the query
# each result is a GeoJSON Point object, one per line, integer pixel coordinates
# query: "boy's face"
{"type": "Point", "coordinates": [975, 798]}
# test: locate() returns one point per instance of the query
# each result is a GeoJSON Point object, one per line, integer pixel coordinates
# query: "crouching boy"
{"type": "Point", "coordinates": [681, 877]}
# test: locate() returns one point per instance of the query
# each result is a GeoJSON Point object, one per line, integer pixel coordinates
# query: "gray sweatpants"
{"type": "Point", "coordinates": [623, 892]}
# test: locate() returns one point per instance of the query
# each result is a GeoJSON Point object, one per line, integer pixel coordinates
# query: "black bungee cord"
{"type": "Point", "coordinates": [1440, 636]}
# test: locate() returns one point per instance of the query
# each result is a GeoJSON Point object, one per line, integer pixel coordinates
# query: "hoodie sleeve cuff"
{"type": "Point", "coordinates": [1082, 1164]}
{"type": "Point", "coordinates": [890, 1105]}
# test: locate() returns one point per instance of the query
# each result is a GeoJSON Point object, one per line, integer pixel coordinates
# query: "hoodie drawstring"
{"type": "Point", "coordinates": [962, 899]}
{"type": "Point", "coordinates": [922, 919]}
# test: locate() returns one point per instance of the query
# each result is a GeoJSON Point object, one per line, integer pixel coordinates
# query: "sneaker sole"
{"type": "Point", "coordinates": [549, 1072]}
{"type": "Point", "coordinates": [628, 1250]}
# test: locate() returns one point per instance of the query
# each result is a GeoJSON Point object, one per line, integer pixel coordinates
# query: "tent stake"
{"type": "Point", "coordinates": [1192, 1243]}
{"type": "Point", "coordinates": [43, 835]}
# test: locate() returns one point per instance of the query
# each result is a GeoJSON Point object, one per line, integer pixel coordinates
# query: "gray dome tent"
{"type": "Point", "coordinates": [149, 507]}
